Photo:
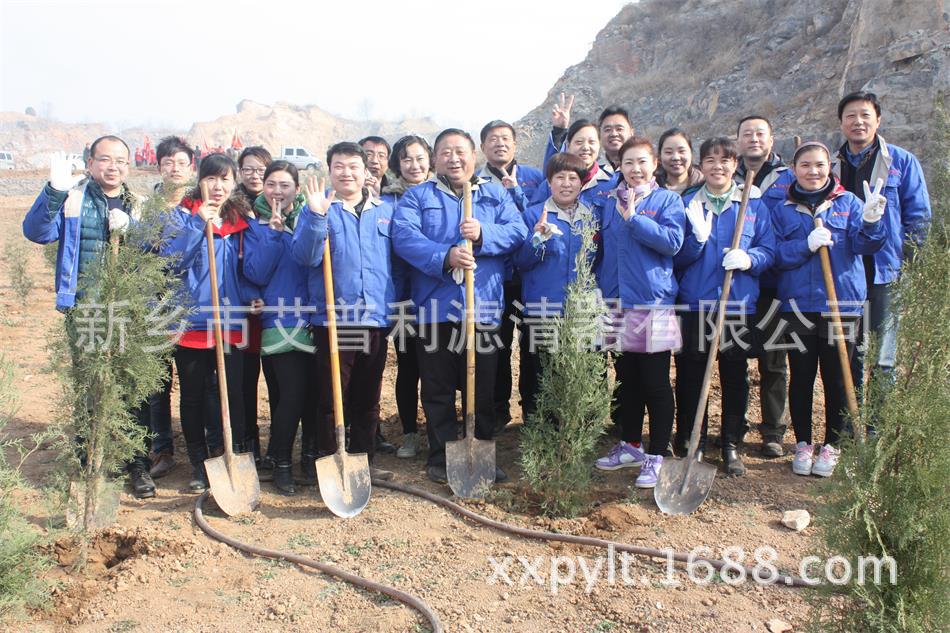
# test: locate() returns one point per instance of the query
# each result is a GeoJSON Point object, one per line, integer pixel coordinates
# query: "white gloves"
{"type": "Point", "coordinates": [550, 230]}
{"type": "Point", "coordinates": [61, 176]}
{"type": "Point", "coordinates": [874, 202]}
{"type": "Point", "coordinates": [820, 237]}
{"type": "Point", "coordinates": [737, 259]}
{"type": "Point", "coordinates": [118, 221]}
{"type": "Point", "coordinates": [458, 275]}
{"type": "Point", "coordinates": [701, 222]}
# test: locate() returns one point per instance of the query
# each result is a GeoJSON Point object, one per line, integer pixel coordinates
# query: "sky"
{"type": "Point", "coordinates": [169, 63]}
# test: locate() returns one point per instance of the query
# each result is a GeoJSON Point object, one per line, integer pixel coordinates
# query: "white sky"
{"type": "Point", "coordinates": [169, 63]}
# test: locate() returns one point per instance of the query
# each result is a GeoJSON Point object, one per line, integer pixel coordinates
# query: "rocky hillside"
{"type": "Point", "coordinates": [704, 64]}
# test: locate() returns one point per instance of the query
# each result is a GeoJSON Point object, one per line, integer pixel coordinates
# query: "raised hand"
{"type": "Point", "coordinates": [317, 201]}
{"type": "Point", "coordinates": [209, 209]}
{"type": "Point", "coordinates": [874, 202]}
{"type": "Point", "coordinates": [510, 181]}
{"type": "Point", "coordinates": [561, 113]}
{"type": "Point", "coordinates": [542, 225]}
{"type": "Point", "coordinates": [276, 217]}
{"type": "Point", "coordinates": [700, 221]}
{"type": "Point", "coordinates": [61, 176]}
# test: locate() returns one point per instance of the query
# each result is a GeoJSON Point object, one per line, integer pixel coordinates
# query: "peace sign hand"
{"type": "Point", "coordinates": [276, 217]}
{"type": "Point", "coordinates": [317, 201]}
{"type": "Point", "coordinates": [561, 113]}
{"type": "Point", "coordinates": [874, 202]}
{"type": "Point", "coordinates": [510, 181]}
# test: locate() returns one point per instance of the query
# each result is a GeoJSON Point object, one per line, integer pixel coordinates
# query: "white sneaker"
{"type": "Point", "coordinates": [826, 462]}
{"type": "Point", "coordinates": [410, 446]}
{"type": "Point", "coordinates": [804, 457]}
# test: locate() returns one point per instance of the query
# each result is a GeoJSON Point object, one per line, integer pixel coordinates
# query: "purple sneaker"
{"type": "Point", "coordinates": [621, 455]}
{"type": "Point", "coordinates": [650, 472]}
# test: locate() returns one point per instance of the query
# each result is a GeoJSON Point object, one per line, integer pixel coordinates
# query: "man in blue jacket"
{"type": "Point", "coordinates": [864, 158]}
{"type": "Point", "coordinates": [773, 178]}
{"type": "Point", "coordinates": [81, 214]}
{"type": "Point", "coordinates": [428, 232]}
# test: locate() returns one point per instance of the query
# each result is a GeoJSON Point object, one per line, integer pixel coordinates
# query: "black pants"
{"type": "Point", "coordinates": [733, 380]}
{"type": "Point", "coordinates": [647, 385]}
{"type": "Point", "coordinates": [407, 384]}
{"type": "Point", "coordinates": [194, 367]}
{"type": "Point", "coordinates": [361, 380]}
{"type": "Point", "coordinates": [442, 362]}
{"type": "Point", "coordinates": [533, 348]}
{"type": "Point", "coordinates": [773, 372]}
{"type": "Point", "coordinates": [816, 350]}
{"type": "Point", "coordinates": [249, 380]}
{"type": "Point", "coordinates": [293, 371]}
{"type": "Point", "coordinates": [506, 334]}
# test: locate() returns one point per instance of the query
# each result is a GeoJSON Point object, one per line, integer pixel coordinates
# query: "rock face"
{"type": "Point", "coordinates": [704, 64]}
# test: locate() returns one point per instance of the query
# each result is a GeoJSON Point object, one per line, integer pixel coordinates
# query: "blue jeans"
{"type": "Point", "coordinates": [880, 321]}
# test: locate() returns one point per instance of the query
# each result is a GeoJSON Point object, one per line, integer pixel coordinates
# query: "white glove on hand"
{"type": "Point", "coordinates": [550, 230]}
{"type": "Point", "coordinates": [701, 222]}
{"type": "Point", "coordinates": [874, 202]}
{"type": "Point", "coordinates": [458, 275]}
{"type": "Point", "coordinates": [118, 221]}
{"type": "Point", "coordinates": [61, 176]}
{"type": "Point", "coordinates": [818, 238]}
{"type": "Point", "coordinates": [737, 259]}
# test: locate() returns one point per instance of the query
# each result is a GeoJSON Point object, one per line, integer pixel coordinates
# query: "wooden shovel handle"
{"type": "Point", "coordinates": [219, 348]}
{"type": "Point", "coordinates": [469, 324]}
{"type": "Point", "coordinates": [334, 347]}
{"type": "Point", "coordinates": [848, 380]}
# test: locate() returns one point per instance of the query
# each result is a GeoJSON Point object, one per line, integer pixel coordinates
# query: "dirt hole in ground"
{"type": "Point", "coordinates": [108, 549]}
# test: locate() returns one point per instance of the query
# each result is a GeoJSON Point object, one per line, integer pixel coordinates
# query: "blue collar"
{"type": "Point", "coordinates": [860, 157]}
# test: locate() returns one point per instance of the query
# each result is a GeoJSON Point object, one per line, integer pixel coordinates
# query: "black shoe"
{"type": "Point", "coordinates": [308, 470]}
{"type": "Point", "coordinates": [142, 485]}
{"type": "Point", "coordinates": [772, 449]}
{"type": "Point", "coordinates": [199, 479]}
{"type": "Point", "coordinates": [382, 446]}
{"type": "Point", "coordinates": [265, 468]}
{"type": "Point", "coordinates": [500, 475]}
{"type": "Point", "coordinates": [732, 460]}
{"type": "Point", "coordinates": [437, 474]}
{"type": "Point", "coordinates": [680, 446]}
{"type": "Point", "coordinates": [284, 479]}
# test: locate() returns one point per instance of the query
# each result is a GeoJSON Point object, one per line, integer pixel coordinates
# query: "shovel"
{"type": "Point", "coordinates": [344, 478]}
{"type": "Point", "coordinates": [470, 463]}
{"type": "Point", "coordinates": [98, 508]}
{"type": "Point", "coordinates": [684, 484]}
{"type": "Point", "coordinates": [848, 379]}
{"type": "Point", "coordinates": [232, 477]}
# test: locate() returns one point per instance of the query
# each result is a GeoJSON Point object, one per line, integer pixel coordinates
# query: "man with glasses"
{"type": "Point", "coordinates": [82, 214]}
{"type": "Point", "coordinates": [377, 155]}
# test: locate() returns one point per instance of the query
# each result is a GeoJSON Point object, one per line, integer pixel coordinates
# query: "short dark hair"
{"type": "Point", "coordinates": [400, 148]}
{"type": "Point", "coordinates": [579, 125]}
{"type": "Point", "coordinates": [107, 137]}
{"type": "Point", "coordinates": [670, 133]}
{"type": "Point", "coordinates": [611, 111]}
{"type": "Point", "coordinates": [563, 161]}
{"type": "Point", "coordinates": [753, 117]}
{"type": "Point", "coordinates": [282, 165]}
{"type": "Point", "coordinates": [377, 140]}
{"type": "Point", "coordinates": [491, 125]}
{"type": "Point", "coordinates": [636, 141]}
{"type": "Point", "coordinates": [171, 145]}
{"type": "Point", "coordinates": [346, 148]}
{"type": "Point", "coordinates": [453, 131]}
{"type": "Point", "coordinates": [726, 147]}
{"type": "Point", "coordinates": [258, 152]}
{"type": "Point", "coordinates": [870, 97]}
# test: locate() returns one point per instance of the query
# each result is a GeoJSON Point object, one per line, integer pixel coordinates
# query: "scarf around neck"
{"type": "Point", "coordinates": [263, 209]}
{"type": "Point", "coordinates": [639, 192]}
{"type": "Point", "coordinates": [721, 201]}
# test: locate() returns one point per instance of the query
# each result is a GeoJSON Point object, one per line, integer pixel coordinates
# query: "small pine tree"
{"type": "Point", "coordinates": [18, 268]}
{"type": "Point", "coordinates": [112, 355]}
{"type": "Point", "coordinates": [889, 496]}
{"type": "Point", "coordinates": [574, 393]}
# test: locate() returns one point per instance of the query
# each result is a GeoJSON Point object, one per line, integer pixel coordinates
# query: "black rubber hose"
{"type": "Point", "coordinates": [786, 580]}
{"type": "Point", "coordinates": [400, 596]}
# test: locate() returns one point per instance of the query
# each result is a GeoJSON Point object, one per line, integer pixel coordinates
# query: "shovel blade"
{"type": "Point", "coordinates": [105, 510]}
{"type": "Point", "coordinates": [344, 481]}
{"type": "Point", "coordinates": [470, 466]}
{"type": "Point", "coordinates": [667, 493]}
{"type": "Point", "coordinates": [238, 490]}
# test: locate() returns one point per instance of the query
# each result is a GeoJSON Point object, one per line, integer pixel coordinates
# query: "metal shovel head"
{"type": "Point", "coordinates": [105, 509]}
{"type": "Point", "coordinates": [667, 493]}
{"type": "Point", "coordinates": [470, 466]}
{"type": "Point", "coordinates": [238, 490]}
{"type": "Point", "coordinates": [344, 481]}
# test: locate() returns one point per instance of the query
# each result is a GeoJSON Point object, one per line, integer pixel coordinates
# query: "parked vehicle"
{"type": "Point", "coordinates": [299, 157]}
{"type": "Point", "coordinates": [6, 160]}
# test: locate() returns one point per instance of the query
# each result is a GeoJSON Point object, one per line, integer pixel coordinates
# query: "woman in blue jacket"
{"type": "Point", "coordinates": [583, 140]}
{"type": "Point", "coordinates": [184, 241]}
{"type": "Point", "coordinates": [642, 229]}
{"type": "Point", "coordinates": [286, 346]}
{"type": "Point", "coordinates": [851, 229]}
{"type": "Point", "coordinates": [701, 265]}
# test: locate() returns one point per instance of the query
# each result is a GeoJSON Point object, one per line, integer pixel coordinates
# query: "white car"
{"type": "Point", "coordinates": [6, 160]}
{"type": "Point", "coordinates": [299, 157]}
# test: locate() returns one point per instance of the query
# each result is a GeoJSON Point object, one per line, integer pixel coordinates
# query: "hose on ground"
{"type": "Point", "coordinates": [400, 596]}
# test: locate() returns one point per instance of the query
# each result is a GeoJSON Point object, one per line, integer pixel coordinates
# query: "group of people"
{"type": "Point", "coordinates": [391, 220]}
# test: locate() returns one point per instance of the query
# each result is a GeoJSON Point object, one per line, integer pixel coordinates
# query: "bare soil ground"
{"type": "Point", "coordinates": [156, 571]}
